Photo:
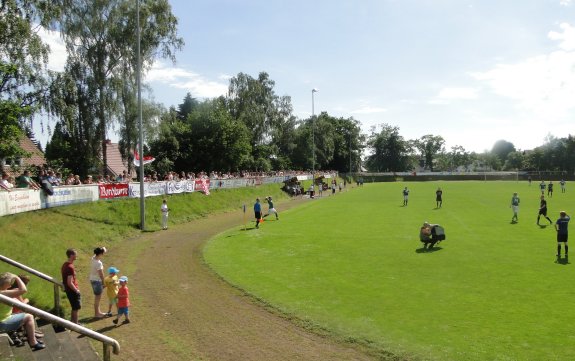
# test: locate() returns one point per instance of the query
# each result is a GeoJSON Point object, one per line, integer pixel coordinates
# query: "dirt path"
{"type": "Point", "coordinates": [183, 311]}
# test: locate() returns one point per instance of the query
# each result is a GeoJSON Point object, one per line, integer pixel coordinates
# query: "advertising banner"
{"type": "Point", "coordinates": [21, 200]}
{"type": "Point", "coordinates": [228, 183]}
{"type": "Point", "coordinates": [69, 195]}
{"type": "Point", "coordinates": [150, 189]}
{"type": "Point", "coordinates": [203, 185]}
{"type": "Point", "coordinates": [180, 187]}
{"type": "Point", "coordinates": [278, 179]}
{"type": "Point", "coordinates": [114, 190]}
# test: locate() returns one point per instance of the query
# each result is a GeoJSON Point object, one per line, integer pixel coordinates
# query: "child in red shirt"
{"type": "Point", "coordinates": [123, 301]}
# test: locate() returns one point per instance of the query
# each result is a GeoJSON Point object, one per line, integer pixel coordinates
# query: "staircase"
{"type": "Point", "coordinates": [61, 346]}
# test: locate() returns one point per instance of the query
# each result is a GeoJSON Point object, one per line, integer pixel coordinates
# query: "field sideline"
{"type": "Point", "coordinates": [352, 264]}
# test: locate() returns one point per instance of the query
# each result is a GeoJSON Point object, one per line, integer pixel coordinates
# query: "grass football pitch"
{"type": "Point", "coordinates": [352, 264]}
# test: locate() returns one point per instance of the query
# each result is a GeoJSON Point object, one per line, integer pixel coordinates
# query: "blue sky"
{"type": "Point", "coordinates": [472, 71]}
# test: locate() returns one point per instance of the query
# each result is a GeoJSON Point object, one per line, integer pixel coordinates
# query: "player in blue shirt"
{"type": "Point", "coordinates": [258, 212]}
{"type": "Point", "coordinates": [562, 233]}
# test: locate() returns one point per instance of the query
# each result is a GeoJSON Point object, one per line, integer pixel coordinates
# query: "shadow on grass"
{"type": "Point", "coordinates": [426, 250]}
{"type": "Point", "coordinates": [562, 261]}
{"type": "Point", "coordinates": [542, 226]}
{"type": "Point", "coordinates": [91, 319]}
{"type": "Point", "coordinates": [248, 229]}
{"type": "Point", "coordinates": [103, 329]}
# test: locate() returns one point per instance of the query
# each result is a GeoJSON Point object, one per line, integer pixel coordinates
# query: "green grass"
{"type": "Point", "coordinates": [39, 239]}
{"type": "Point", "coordinates": [350, 264]}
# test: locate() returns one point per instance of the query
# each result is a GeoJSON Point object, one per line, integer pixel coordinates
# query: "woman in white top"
{"type": "Point", "coordinates": [97, 279]}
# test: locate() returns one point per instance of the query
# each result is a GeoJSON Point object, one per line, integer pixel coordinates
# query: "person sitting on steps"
{"type": "Point", "coordinates": [11, 322]}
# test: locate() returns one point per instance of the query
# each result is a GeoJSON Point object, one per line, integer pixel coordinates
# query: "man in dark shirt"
{"type": "Point", "coordinates": [438, 198]}
{"type": "Point", "coordinates": [71, 284]}
{"type": "Point", "coordinates": [543, 210]}
{"type": "Point", "coordinates": [562, 234]}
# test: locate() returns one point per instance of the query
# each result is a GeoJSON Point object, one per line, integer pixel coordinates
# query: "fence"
{"type": "Point", "coordinates": [25, 200]}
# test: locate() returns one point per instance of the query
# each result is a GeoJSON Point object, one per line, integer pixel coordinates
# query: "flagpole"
{"type": "Point", "coordinates": [141, 145]}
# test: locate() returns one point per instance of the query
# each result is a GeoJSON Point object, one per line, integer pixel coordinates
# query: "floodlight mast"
{"type": "Point", "coordinates": [141, 131]}
{"type": "Point", "coordinates": [313, 91]}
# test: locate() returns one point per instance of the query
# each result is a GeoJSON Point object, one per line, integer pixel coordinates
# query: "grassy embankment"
{"type": "Point", "coordinates": [353, 265]}
{"type": "Point", "coordinates": [39, 239]}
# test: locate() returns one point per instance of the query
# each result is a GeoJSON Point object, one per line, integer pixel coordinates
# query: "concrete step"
{"type": "Point", "coordinates": [5, 348]}
{"type": "Point", "coordinates": [61, 346]}
{"type": "Point", "coordinates": [81, 343]}
{"type": "Point", "coordinates": [25, 353]}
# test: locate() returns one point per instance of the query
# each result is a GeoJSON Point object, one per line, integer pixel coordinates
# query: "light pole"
{"type": "Point", "coordinates": [141, 131]}
{"type": "Point", "coordinates": [314, 90]}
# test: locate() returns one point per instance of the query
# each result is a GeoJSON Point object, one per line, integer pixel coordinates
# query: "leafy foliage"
{"type": "Point", "coordinates": [390, 150]}
{"type": "Point", "coordinates": [23, 74]}
{"type": "Point", "coordinates": [101, 42]}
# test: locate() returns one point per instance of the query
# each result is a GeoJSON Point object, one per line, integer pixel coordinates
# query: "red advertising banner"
{"type": "Point", "coordinates": [203, 185]}
{"type": "Point", "coordinates": [114, 190]}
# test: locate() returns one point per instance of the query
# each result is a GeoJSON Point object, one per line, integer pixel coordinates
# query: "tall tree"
{"type": "Point", "coordinates": [23, 62]}
{"type": "Point", "coordinates": [428, 146]}
{"type": "Point", "coordinates": [254, 103]}
{"type": "Point", "coordinates": [77, 127]}
{"type": "Point", "coordinates": [389, 150]}
{"type": "Point", "coordinates": [101, 36]}
{"type": "Point", "coordinates": [458, 156]}
{"type": "Point", "coordinates": [188, 106]}
{"type": "Point", "coordinates": [514, 161]}
{"type": "Point", "coordinates": [502, 148]}
{"type": "Point", "coordinates": [283, 135]}
{"type": "Point", "coordinates": [214, 140]}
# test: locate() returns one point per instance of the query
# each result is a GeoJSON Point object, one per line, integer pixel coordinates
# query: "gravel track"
{"type": "Point", "coordinates": [182, 310]}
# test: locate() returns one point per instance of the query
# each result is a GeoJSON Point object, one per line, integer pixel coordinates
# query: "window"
{"type": "Point", "coordinates": [12, 162]}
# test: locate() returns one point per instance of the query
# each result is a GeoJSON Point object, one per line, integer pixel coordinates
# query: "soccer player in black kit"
{"type": "Point", "coordinates": [543, 210]}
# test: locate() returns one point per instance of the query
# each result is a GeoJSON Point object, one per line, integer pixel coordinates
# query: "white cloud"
{"type": "Point", "coordinates": [565, 2]}
{"type": "Point", "coordinates": [181, 78]}
{"type": "Point", "coordinates": [225, 77]}
{"type": "Point", "coordinates": [543, 84]}
{"type": "Point", "coordinates": [567, 37]}
{"type": "Point", "coordinates": [58, 54]}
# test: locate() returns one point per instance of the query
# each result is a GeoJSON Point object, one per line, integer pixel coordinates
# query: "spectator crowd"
{"type": "Point", "coordinates": [48, 178]}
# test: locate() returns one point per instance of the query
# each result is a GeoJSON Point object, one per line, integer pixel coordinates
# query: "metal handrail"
{"type": "Point", "coordinates": [106, 341]}
{"type": "Point", "coordinates": [32, 271]}
{"type": "Point", "coordinates": [57, 284]}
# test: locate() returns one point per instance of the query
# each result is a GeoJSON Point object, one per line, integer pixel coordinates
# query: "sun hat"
{"type": "Point", "coordinates": [113, 270]}
{"type": "Point", "coordinates": [123, 279]}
